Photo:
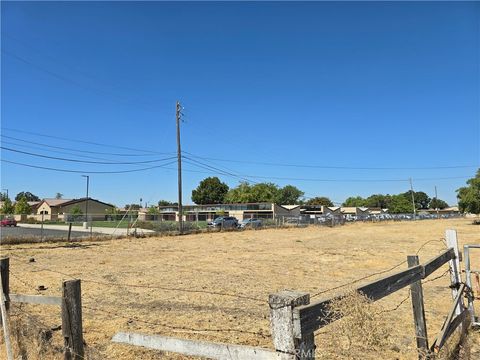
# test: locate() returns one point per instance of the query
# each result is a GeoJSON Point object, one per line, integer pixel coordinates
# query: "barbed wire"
{"type": "Point", "coordinates": [107, 283]}
{"type": "Point", "coordinates": [373, 274]}
{"type": "Point", "coordinates": [173, 327]}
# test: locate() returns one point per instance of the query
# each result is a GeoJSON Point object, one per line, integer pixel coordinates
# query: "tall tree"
{"type": "Point", "coordinates": [356, 201]}
{"type": "Point", "coordinates": [421, 199]}
{"type": "Point", "coordinates": [469, 196]}
{"type": "Point", "coordinates": [399, 204]}
{"type": "Point", "coordinates": [289, 195]}
{"type": "Point", "coordinates": [319, 200]}
{"type": "Point", "coordinates": [3, 196]}
{"type": "Point", "coordinates": [58, 195]}
{"type": "Point", "coordinates": [166, 203]}
{"type": "Point", "coordinates": [27, 195]}
{"type": "Point", "coordinates": [210, 191]}
{"type": "Point", "coordinates": [7, 207]}
{"type": "Point", "coordinates": [22, 207]}
{"type": "Point", "coordinates": [378, 201]}
{"type": "Point", "coordinates": [246, 193]}
{"type": "Point", "coordinates": [437, 204]}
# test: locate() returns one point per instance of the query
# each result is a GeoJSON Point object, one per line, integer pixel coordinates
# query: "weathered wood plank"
{"type": "Point", "coordinates": [36, 299]}
{"type": "Point", "coordinates": [454, 324]}
{"type": "Point", "coordinates": [441, 337]}
{"type": "Point", "coordinates": [455, 271]}
{"type": "Point", "coordinates": [433, 264]}
{"type": "Point", "coordinates": [316, 315]}
{"type": "Point", "coordinates": [416, 291]}
{"type": "Point", "coordinates": [200, 348]}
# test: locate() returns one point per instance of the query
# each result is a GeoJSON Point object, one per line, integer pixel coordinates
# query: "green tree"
{"type": "Point", "coordinates": [437, 204]}
{"type": "Point", "coordinates": [421, 199]}
{"type": "Point", "coordinates": [58, 195]}
{"type": "Point", "coordinates": [76, 210]}
{"type": "Point", "coordinates": [28, 195]}
{"type": "Point", "coordinates": [240, 194]}
{"type": "Point", "coordinates": [7, 207]}
{"type": "Point", "coordinates": [469, 196]}
{"type": "Point", "coordinates": [133, 206]}
{"type": "Point", "coordinates": [319, 200]}
{"type": "Point", "coordinates": [22, 207]}
{"type": "Point", "coordinates": [399, 204]}
{"type": "Point", "coordinates": [378, 201]}
{"type": "Point", "coordinates": [3, 196]}
{"type": "Point", "coordinates": [153, 210]}
{"type": "Point", "coordinates": [356, 201]}
{"type": "Point", "coordinates": [166, 203]}
{"type": "Point", "coordinates": [210, 191]}
{"type": "Point", "coordinates": [289, 195]}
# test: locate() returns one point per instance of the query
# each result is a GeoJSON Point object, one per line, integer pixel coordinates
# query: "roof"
{"type": "Point", "coordinates": [75, 201]}
{"type": "Point", "coordinates": [290, 207]}
{"type": "Point", "coordinates": [33, 203]}
{"type": "Point", "coordinates": [349, 209]}
{"type": "Point", "coordinates": [55, 202]}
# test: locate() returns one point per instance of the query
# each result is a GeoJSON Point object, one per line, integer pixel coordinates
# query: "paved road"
{"type": "Point", "coordinates": [47, 233]}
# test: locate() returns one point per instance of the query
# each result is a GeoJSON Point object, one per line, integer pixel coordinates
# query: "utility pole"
{"type": "Point", "coordinates": [413, 201]}
{"type": "Point", "coordinates": [436, 200]}
{"type": "Point", "coordinates": [86, 202]}
{"type": "Point", "coordinates": [179, 157]}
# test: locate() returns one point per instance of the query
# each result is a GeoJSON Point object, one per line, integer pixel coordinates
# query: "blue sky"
{"type": "Point", "coordinates": [391, 86]}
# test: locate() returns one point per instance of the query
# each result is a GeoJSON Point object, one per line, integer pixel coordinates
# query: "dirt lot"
{"type": "Point", "coordinates": [163, 285]}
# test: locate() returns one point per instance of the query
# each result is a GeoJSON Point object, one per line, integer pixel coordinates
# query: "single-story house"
{"type": "Point", "coordinates": [56, 209]}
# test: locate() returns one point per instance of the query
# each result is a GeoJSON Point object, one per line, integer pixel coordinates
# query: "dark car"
{"type": "Point", "coordinates": [224, 222]}
{"type": "Point", "coordinates": [8, 222]}
{"type": "Point", "coordinates": [250, 223]}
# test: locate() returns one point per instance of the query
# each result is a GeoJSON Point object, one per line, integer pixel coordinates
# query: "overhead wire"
{"type": "Point", "coordinates": [87, 171]}
{"type": "Point", "coordinates": [86, 161]}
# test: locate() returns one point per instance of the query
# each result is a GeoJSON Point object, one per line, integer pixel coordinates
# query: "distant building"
{"type": "Point", "coordinates": [56, 209]}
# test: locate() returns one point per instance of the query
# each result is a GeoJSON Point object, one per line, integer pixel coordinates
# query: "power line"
{"type": "Point", "coordinates": [79, 150]}
{"type": "Point", "coordinates": [87, 171]}
{"type": "Point", "coordinates": [147, 152]}
{"type": "Point", "coordinates": [85, 161]}
{"type": "Point", "coordinates": [332, 167]}
{"type": "Point", "coordinates": [69, 80]}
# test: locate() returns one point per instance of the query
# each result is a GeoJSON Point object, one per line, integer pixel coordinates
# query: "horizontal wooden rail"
{"type": "Point", "coordinates": [433, 264]}
{"type": "Point", "coordinates": [206, 349]}
{"type": "Point", "coordinates": [36, 299]}
{"type": "Point", "coordinates": [316, 315]}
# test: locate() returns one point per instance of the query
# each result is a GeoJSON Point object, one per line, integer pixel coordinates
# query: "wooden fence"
{"type": "Point", "coordinates": [293, 318]}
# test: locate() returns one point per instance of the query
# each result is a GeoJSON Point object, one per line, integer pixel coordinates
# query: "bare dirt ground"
{"type": "Point", "coordinates": [168, 285]}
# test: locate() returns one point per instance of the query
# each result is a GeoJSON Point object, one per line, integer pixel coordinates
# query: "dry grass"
{"type": "Point", "coordinates": [250, 264]}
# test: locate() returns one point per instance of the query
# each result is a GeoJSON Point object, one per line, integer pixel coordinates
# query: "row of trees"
{"type": "Point", "coordinates": [213, 191]}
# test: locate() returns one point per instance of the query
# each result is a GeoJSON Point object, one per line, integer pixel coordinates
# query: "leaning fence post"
{"type": "Point", "coordinates": [72, 320]}
{"type": "Point", "coordinates": [455, 274]}
{"type": "Point", "coordinates": [286, 338]}
{"type": "Point", "coordinates": [418, 312]}
{"type": "Point", "coordinates": [5, 270]}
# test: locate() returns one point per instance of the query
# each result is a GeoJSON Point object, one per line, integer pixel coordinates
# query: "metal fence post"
{"type": "Point", "coordinates": [72, 320]}
{"type": "Point", "coordinates": [455, 272]}
{"type": "Point", "coordinates": [286, 337]}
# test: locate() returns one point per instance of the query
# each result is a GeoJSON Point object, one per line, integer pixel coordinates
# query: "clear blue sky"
{"type": "Point", "coordinates": [353, 85]}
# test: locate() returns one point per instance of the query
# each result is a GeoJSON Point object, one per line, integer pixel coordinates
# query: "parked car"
{"type": "Point", "coordinates": [250, 223]}
{"type": "Point", "coordinates": [224, 222]}
{"type": "Point", "coordinates": [9, 222]}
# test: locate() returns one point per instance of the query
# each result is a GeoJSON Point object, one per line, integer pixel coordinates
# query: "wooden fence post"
{"type": "Point", "coordinates": [72, 320]}
{"type": "Point", "coordinates": [287, 338]}
{"type": "Point", "coordinates": [5, 270]}
{"type": "Point", "coordinates": [418, 312]}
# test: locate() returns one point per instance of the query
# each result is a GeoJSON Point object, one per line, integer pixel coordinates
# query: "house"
{"type": "Point", "coordinates": [56, 209]}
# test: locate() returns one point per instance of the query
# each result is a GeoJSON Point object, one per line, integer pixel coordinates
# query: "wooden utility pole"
{"type": "Point", "coordinates": [179, 156]}
{"type": "Point", "coordinates": [436, 199]}
{"type": "Point", "coordinates": [413, 201]}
